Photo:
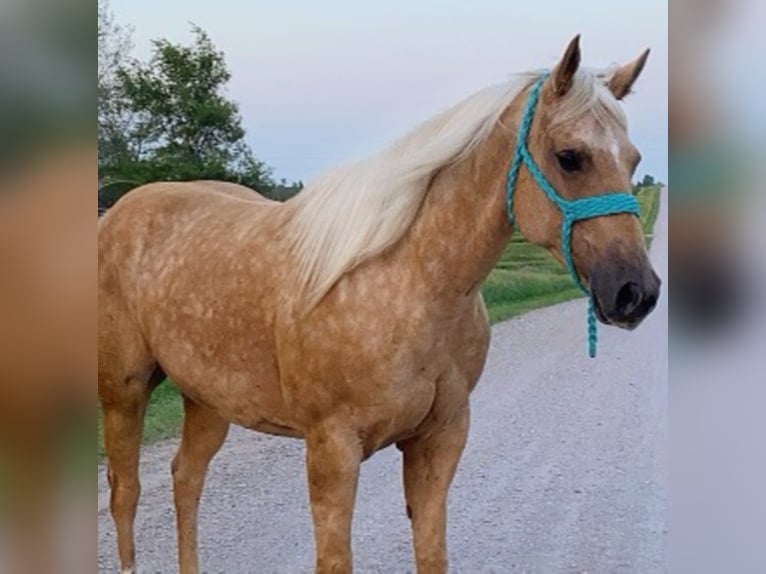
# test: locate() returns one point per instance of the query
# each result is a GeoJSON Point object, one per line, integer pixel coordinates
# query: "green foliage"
{"type": "Point", "coordinates": [646, 181]}
{"type": "Point", "coordinates": [110, 192]}
{"type": "Point", "coordinates": [283, 191]}
{"type": "Point", "coordinates": [179, 123]}
{"type": "Point", "coordinates": [649, 205]}
{"type": "Point", "coordinates": [169, 119]}
{"type": "Point", "coordinates": [114, 43]}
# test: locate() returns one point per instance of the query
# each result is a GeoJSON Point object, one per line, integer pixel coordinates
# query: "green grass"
{"type": "Point", "coordinates": [649, 203]}
{"type": "Point", "coordinates": [526, 277]}
{"type": "Point", "coordinates": [163, 416]}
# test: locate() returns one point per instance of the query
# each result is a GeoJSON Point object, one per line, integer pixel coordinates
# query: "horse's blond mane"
{"type": "Point", "coordinates": [355, 212]}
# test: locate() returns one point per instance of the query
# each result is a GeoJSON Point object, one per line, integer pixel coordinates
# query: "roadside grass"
{"type": "Point", "coordinates": [649, 203]}
{"type": "Point", "coordinates": [164, 415]}
{"type": "Point", "coordinates": [526, 277]}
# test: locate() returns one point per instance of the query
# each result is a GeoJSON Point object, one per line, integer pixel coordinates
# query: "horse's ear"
{"type": "Point", "coordinates": [563, 74]}
{"type": "Point", "coordinates": [623, 78]}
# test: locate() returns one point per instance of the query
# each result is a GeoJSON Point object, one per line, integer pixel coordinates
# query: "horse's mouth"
{"type": "Point", "coordinates": [599, 312]}
{"type": "Point", "coordinates": [628, 325]}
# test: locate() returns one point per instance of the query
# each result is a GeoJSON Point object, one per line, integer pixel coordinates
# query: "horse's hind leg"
{"type": "Point", "coordinates": [203, 434]}
{"type": "Point", "coordinates": [122, 421]}
{"type": "Point", "coordinates": [127, 374]}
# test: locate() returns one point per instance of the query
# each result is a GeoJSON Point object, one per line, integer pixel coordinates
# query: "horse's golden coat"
{"type": "Point", "coordinates": [198, 278]}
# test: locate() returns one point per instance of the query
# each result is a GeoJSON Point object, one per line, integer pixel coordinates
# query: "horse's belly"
{"type": "Point", "coordinates": [251, 403]}
{"type": "Point", "coordinates": [241, 389]}
{"type": "Point", "coordinates": [268, 427]}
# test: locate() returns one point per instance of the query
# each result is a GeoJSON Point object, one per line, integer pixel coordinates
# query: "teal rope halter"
{"type": "Point", "coordinates": [571, 209]}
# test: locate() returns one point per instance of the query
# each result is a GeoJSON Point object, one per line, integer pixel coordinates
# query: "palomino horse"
{"type": "Point", "coordinates": [351, 315]}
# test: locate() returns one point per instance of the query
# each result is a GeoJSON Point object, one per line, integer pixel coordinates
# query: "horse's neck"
{"type": "Point", "coordinates": [462, 226]}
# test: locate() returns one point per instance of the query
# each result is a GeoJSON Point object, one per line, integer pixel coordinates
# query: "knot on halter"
{"type": "Point", "coordinates": [572, 210]}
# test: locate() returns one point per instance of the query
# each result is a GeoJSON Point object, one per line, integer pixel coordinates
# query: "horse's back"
{"type": "Point", "coordinates": [151, 214]}
{"type": "Point", "coordinates": [175, 199]}
{"type": "Point", "coordinates": [163, 226]}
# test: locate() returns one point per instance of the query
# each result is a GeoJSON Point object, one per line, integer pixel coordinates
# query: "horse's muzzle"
{"type": "Point", "coordinates": [623, 294]}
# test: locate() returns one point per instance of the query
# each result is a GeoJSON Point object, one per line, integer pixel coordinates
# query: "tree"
{"type": "Point", "coordinates": [114, 45]}
{"type": "Point", "coordinates": [283, 190]}
{"type": "Point", "coordinates": [648, 181]}
{"type": "Point", "coordinates": [178, 123]}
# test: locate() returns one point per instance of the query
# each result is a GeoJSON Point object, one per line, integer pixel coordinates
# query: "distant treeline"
{"type": "Point", "coordinates": [169, 119]}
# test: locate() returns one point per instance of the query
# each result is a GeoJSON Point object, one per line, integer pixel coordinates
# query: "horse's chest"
{"type": "Point", "coordinates": [425, 391]}
{"type": "Point", "coordinates": [385, 374]}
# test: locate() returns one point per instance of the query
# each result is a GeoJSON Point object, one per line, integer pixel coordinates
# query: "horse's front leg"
{"type": "Point", "coordinates": [333, 456]}
{"type": "Point", "coordinates": [430, 462]}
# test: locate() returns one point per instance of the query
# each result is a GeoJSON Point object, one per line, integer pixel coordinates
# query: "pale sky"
{"type": "Point", "coordinates": [321, 83]}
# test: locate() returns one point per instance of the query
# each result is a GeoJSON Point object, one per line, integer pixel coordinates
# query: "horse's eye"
{"type": "Point", "coordinates": [569, 160]}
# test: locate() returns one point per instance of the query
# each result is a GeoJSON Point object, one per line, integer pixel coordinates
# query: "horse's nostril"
{"type": "Point", "coordinates": [649, 302]}
{"type": "Point", "coordinates": [628, 297]}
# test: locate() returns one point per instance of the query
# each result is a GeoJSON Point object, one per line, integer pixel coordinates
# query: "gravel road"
{"type": "Point", "coordinates": [564, 471]}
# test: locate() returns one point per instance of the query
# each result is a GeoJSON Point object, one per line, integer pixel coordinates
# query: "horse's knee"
{"type": "Point", "coordinates": [188, 479]}
{"type": "Point", "coordinates": [125, 494]}
{"type": "Point", "coordinates": [180, 474]}
{"type": "Point", "coordinates": [175, 465]}
{"type": "Point", "coordinates": [126, 486]}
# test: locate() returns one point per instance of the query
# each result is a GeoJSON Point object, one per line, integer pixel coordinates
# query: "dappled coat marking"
{"type": "Point", "coordinates": [351, 315]}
